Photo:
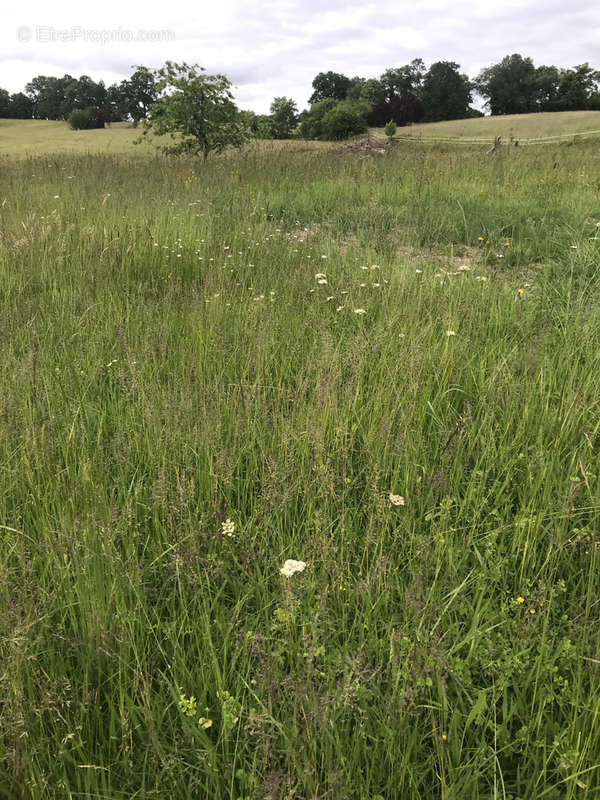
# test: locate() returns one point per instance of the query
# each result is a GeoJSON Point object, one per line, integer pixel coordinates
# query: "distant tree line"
{"type": "Point", "coordinates": [48, 97]}
{"type": "Point", "coordinates": [339, 106]}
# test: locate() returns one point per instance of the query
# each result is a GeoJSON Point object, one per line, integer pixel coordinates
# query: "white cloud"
{"type": "Point", "coordinates": [276, 47]}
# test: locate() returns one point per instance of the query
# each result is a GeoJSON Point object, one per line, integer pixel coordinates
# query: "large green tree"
{"type": "Point", "coordinates": [446, 92]}
{"type": "Point", "coordinates": [547, 81]}
{"type": "Point", "coordinates": [21, 106]}
{"type": "Point", "coordinates": [329, 85]}
{"type": "Point", "coordinates": [398, 81]}
{"type": "Point", "coordinates": [284, 117]}
{"type": "Point", "coordinates": [576, 86]}
{"type": "Point", "coordinates": [195, 109]}
{"type": "Point", "coordinates": [509, 87]}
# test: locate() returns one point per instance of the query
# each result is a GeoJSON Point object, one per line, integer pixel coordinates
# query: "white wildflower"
{"type": "Point", "coordinates": [397, 500]}
{"type": "Point", "coordinates": [450, 333]}
{"type": "Point", "coordinates": [291, 567]}
{"type": "Point", "coordinates": [359, 311]}
{"type": "Point", "coordinates": [227, 528]}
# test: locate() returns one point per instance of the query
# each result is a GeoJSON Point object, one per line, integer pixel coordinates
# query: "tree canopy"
{"type": "Point", "coordinates": [446, 92]}
{"type": "Point", "coordinates": [196, 109]}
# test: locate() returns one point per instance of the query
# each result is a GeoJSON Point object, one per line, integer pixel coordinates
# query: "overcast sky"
{"type": "Point", "coordinates": [269, 48]}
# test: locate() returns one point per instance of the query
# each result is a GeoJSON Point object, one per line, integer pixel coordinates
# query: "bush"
{"type": "Point", "coordinates": [390, 129]}
{"type": "Point", "coordinates": [311, 122]}
{"type": "Point", "coordinates": [86, 118]}
{"type": "Point", "coordinates": [344, 120]}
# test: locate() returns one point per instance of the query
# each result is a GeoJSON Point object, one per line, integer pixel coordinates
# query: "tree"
{"type": "Point", "coordinates": [345, 119]}
{"type": "Point", "coordinates": [311, 121]}
{"type": "Point", "coordinates": [195, 109]}
{"type": "Point", "coordinates": [390, 130]}
{"type": "Point", "coordinates": [404, 80]}
{"type": "Point", "coordinates": [259, 126]}
{"type": "Point", "coordinates": [21, 106]}
{"type": "Point", "coordinates": [47, 96]}
{"type": "Point", "coordinates": [329, 85]}
{"type": "Point", "coordinates": [139, 93]}
{"type": "Point", "coordinates": [369, 89]}
{"type": "Point", "coordinates": [446, 92]}
{"type": "Point", "coordinates": [4, 104]}
{"type": "Point", "coordinates": [284, 116]}
{"type": "Point", "coordinates": [575, 88]}
{"type": "Point", "coordinates": [509, 86]}
{"type": "Point", "coordinates": [547, 80]}
{"type": "Point", "coordinates": [403, 110]}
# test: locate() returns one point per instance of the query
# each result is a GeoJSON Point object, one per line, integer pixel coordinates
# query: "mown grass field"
{"type": "Point", "coordinates": [517, 126]}
{"type": "Point", "coordinates": [171, 362]}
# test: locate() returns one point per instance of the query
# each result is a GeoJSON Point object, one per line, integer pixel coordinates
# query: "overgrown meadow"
{"type": "Point", "coordinates": [388, 369]}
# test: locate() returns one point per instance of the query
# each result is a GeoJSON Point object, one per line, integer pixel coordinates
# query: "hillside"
{"type": "Point", "coordinates": [519, 126]}
{"type": "Point", "coordinates": [23, 137]}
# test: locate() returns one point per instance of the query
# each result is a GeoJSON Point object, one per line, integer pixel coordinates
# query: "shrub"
{"type": "Point", "coordinates": [86, 119]}
{"type": "Point", "coordinates": [79, 119]}
{"type": "Point", "coordinates": [344, 120]}
{"type": "Point", "coordinates": [390, 129]}
{"type": "Point", "coordinates": [311, 122]}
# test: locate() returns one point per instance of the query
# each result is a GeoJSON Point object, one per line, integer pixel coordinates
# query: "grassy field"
{"type": "Point", "coordinates": [22, 138]}
{"type": "Point", "coordinates": [31, 138]}
{"type": "Point", "coordinates": [517, 126]}
{"type": "Point", "coordinates": [27, 138]}
{"type": "Point", "coordinates": [387, 369]}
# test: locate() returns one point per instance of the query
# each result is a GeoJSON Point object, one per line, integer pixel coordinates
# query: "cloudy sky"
{"type": "Point", "coordinates": [269, 48]}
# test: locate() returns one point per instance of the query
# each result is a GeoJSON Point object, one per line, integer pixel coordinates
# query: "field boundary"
{"type": "Point", "coordinates": [490, 140]}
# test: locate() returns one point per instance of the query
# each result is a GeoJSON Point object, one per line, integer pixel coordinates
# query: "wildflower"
{"type": "Point", "coordinates": [322, 281]}
{"type": "Point", "coordinates": [320, 276]}
{"type": "Point", "coordinates": [56, 196]}
{"type": "Point", "coordinates": [464, 268]}
{"type": "Point", "coordinates": [506, 244]}
{"type": "Point", "coordinates": [359, 311]}
{"type": "Point", "coordinates": [520, 291]}
{"type": "Point", "coordinates": [480, 238]}
{"type": "Point", "coordinates": [444, 737]}
{"type": "Point", "coordinates": [532, 610]}
{"type": "Point", "coordinates": [330, 298]}
{"type": "Point", "coordinates": [397, 500]}
{"type": "Point", "coordinates": [520, 600]}
{"type": "Point", "coordinates": [228, 527]}
{"type": "Point", "coordinates": [291, 567]}
{"type": "Point", "coordinates": [450, 333]}
{"type": "Point", "coordinates": [340, 308]}
{"type": "Point", "coordinates": [418, 271]}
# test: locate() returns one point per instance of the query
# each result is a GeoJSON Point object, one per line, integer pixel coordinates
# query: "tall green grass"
{"type": "Point", "coordinates": [171, 362]}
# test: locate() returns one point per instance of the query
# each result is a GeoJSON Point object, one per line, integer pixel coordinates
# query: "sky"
{"type": "Point", "coordinates": [272, 48]}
